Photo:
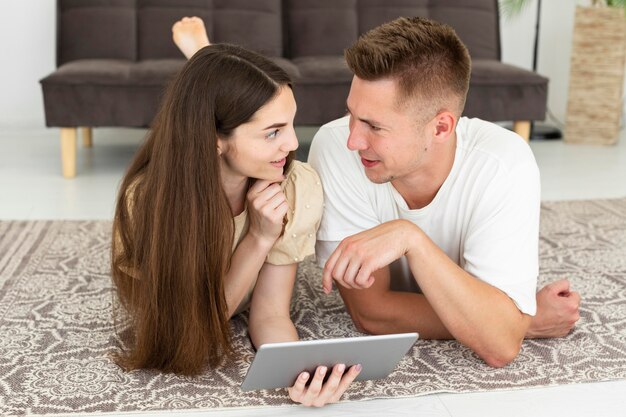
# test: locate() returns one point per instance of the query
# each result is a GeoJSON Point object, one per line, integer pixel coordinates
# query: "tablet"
{"type": "Point", "coordinates": [277, 365]}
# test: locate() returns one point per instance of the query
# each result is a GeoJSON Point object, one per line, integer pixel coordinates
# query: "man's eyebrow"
{"type": "Point", "coordinates": [275, 125]}
{"type": "Point", "coordinates": [368, 121]}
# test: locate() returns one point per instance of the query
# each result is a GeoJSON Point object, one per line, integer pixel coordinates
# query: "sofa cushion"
{"type": "Point", "coordinates": [503, 92]}
{"type": "Point", "coordinates": [105, 92]}
{"type": "Point", "coordinates": [325, 27]}
{"type": "Point", "coordinates": [320, 103]}
{"type": "Point", "coordinates": [491, 72]}
{"type": "Point", "coordinates": [320, 27]}
{"type": "Point", "coordinates": [71, 105]}
{"type": "Point", "coordinates": [90, 30]}
{"type": "Point", "coordinates": [91, 71]}
{"type": "Point", "coordinates": [475, 21]}
{"type": "Point", "coordinates": [286, 64]}
{"type": "Point", "coordinates": [322, 70]}
{"type": "Point", "coordinates": [157, 72]}
{"type": "Point", "coordinates": [254, 24]}
{"type": "Point", "coordinates": [372, 13]}
{"type": "Point", "coordinates": [154, 30]}
{"type": "Point", "coordinates": [322, 88]}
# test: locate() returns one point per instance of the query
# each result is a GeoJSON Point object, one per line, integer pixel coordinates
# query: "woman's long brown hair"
{"type": "Point", "coordinates": [173, 227]}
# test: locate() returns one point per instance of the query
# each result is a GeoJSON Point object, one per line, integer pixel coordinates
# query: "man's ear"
{"type": "Point", "coordinates": [444, 125]}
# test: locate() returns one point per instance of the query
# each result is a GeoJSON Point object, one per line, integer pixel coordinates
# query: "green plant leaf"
{"type": "Point", "coordinates": [511, 8]}
{"type": "Point", "coordinates": [616, 3]}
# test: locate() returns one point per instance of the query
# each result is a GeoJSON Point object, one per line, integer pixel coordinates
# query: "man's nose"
{"type": "Point", "coordinates": [356, 141]}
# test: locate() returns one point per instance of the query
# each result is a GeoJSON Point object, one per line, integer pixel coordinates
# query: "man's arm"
{"type": "Point", "coordinates": [477, 314]}
{"type": "Point", "coordinates": [379, 310]}
{"type": "Point", "coordinates": [557, 311]}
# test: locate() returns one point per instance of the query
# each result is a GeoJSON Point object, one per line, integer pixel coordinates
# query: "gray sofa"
{"type": "Point", "coordinates": [115, 57]}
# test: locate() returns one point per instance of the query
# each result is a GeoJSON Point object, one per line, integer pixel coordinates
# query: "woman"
{"type": "Point", "coordinates": [213, 216]}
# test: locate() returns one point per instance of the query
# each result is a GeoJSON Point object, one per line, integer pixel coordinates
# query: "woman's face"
{"type": "Point", "coordinates": [259, 148]}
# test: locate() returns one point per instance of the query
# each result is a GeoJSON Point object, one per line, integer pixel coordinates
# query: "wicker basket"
{"type": "Point", "coordinates": [594, 104]}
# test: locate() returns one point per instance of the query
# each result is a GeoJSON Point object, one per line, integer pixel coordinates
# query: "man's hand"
{"type": "Point", "coordinates": [358, 256]}
{"type": "Point", "coordinates": [267, 207]}
{"type": "Point", "coordinates": [320, 393]}
{"type": "Point", "coordinates": [557, 311]}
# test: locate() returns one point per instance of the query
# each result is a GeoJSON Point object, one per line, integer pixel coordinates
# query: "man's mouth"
{"type": "Point", "coordinates": [368, 163]}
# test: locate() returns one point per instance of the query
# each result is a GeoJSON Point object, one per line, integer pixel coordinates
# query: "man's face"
{"type": "Point", "coordinates": [389, 138]}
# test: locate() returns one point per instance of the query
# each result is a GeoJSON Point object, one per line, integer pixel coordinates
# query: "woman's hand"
{"type": "Point", "coordinates": [320, 393]}
{"type": "Point", "coordinates": [267, 207]}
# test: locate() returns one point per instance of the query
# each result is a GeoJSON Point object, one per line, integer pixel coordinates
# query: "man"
{"type": "Point", "coordinates": [422, 198]}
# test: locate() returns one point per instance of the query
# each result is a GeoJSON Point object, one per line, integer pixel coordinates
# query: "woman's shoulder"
{"type": "Point", "coordinates": [302, 173]}
{"type": "Point", "coordinates": [304, 194]}
{"type": "Point", "coordinates": [303, 189]}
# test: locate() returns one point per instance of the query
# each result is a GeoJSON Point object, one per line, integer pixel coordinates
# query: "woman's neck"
{"type": "Point", "coordinates": [236, 189]}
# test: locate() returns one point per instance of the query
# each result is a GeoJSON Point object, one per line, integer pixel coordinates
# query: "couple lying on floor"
{"type": "Point", "coordinates": [214, 213]}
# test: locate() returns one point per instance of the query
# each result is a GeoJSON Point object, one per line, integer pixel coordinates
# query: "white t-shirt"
{"type": "Point", "coordinates": [485, 216]}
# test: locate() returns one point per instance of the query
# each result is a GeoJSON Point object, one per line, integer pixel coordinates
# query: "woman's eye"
{"type": "Point", "coordinates": [272, 134]}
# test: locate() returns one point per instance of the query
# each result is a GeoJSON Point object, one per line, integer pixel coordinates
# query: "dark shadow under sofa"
{"type": "Point", "coordinates": [115, 57]}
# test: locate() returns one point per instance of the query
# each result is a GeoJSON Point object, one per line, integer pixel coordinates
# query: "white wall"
{"type": "Point", "coordinates": [27, 45]}
{"type": "Point", "coordinates": [27, 42]}
{"type": "Point", "coordinates": [555, 45]}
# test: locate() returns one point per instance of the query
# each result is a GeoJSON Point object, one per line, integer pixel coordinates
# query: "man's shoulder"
{"type": "Point", "coordinates": [333, 134]}
{"type": "Point", "coordinates": [341, 123]}
{"type": "Point", "coordinates": [330, 142]}
{"type": "Point", "coordinates": [489, 141]}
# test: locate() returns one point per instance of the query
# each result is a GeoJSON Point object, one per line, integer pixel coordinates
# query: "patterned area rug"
{"type": "Point", "coordinates": [56, 327]}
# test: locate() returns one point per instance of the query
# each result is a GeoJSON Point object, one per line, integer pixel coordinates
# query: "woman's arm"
{"type": "Point", "coordinates": [267, 207]}
{"type": "Point", "coordinates": [270, 322]}
{"type": "Point", "coordinates": [246, 264]}
{"type": "Point", "coordinates": [269, 311]}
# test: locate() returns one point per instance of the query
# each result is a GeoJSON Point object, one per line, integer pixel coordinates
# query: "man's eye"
{"type": "Point", "coordinates": [272, 134]}
{"type": "Point", "coordinates": [375, 128]}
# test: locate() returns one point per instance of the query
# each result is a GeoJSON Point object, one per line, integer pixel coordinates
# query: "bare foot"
{"type": "Point", "coordinates": [190, 35]}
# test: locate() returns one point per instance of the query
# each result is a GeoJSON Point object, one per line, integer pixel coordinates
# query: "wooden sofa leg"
{"type": "Point", "coordinates": [522, 128]}
{"type": "Point", "coordinates": [86, 133]}
{"type": "Point", "coordinates": [68, 151]}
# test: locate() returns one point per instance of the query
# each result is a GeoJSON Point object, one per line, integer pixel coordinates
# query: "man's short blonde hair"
{"type": "Point", "coordinates": [427, 59]}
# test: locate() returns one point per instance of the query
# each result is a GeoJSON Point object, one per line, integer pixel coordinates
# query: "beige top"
{"type": "Point", "coordinates": [305, 196]}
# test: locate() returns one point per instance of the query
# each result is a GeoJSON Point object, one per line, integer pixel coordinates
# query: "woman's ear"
{"type": "Point", "coordinates": [221, 146]}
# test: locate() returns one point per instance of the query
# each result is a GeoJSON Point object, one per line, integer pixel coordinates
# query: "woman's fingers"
{"type": "Point", "coordinates": [316, 385]}
{"type": "Point", "coordinates": [320, 393]}
{"type": "Point", "coordinates": [331, 385]}
{"type": "Point", "coordinates": [345, 382]}
{"type": "Point", "coordinates": [297, 391]}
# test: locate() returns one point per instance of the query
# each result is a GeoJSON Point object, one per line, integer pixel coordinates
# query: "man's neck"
{"type": "Point", "coordinates": [420, 187]}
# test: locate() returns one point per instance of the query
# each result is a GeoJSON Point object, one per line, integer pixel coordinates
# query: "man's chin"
{"type": "Point", "coordinates": [377, 179]}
